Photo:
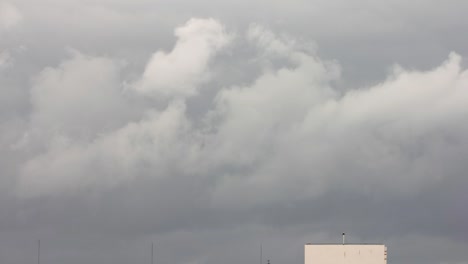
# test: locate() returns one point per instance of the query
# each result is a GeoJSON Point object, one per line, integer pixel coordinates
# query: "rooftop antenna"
{"type": "Point", "coordinates": [344, 238]}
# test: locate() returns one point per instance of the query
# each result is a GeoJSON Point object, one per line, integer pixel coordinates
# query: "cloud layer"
{"type": "Point", "coordinates": [224, 139]}
{"type": "Point", "coordinates": [288, 121]}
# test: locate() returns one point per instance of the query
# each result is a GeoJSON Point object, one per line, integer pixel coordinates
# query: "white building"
{"type": "Point", "coordinates": [345, 254]}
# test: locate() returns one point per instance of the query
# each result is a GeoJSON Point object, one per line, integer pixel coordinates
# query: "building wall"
{"type": "Point", "coordinates": [345, 254]}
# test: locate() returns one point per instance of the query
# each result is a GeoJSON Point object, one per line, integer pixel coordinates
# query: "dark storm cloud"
{"type": "Point", "coordinates": [227, 134]}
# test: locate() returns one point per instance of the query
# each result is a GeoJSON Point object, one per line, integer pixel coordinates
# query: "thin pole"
{"type": "Point", "coordinates": [261, 254]}
{"type": "Point", "coordinates": [39, 252]}
{"type": "Point", "coordinates": [152, 252]}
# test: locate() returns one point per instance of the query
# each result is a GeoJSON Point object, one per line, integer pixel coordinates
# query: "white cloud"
{"type": "Point", "coordinates": [268, 42]}
{"type": "Point", "coordinates": [9, 15]}
{"type": "Point", "coordinates": [289, 130]}
{"type": "Point", "coordinates": [112, 158]}
{"type": "Point", "coordinates": [179, 72]}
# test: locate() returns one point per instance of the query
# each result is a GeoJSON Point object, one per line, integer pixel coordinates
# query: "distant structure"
{"type": "Point", "coordinates": [345, 253]}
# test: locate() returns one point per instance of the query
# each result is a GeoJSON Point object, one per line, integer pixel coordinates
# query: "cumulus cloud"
{"type": "Point", "coordinates": [68, 100]}
{"type": "Point", "coordinates": [269, 42]}
{"type": "Point", "coordinates": [179, 72]}
{"type": "Point", "coordinates": [109, 160]}
{"type": "Point", "coordinates": [285, 151]}
{"type": "Point", "coordinates": [290, 131]}
{"type": "Point", "coordinates": [9, 15]}
{"type": "Point", "coordinates": [290, 121]}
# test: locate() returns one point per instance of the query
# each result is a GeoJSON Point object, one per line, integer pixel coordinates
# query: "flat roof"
{"type": "Point", "coordinates": [369, 244]}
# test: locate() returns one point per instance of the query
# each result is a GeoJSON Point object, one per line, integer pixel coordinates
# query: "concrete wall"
{"type": "Point", "coordinates": [345, 254]}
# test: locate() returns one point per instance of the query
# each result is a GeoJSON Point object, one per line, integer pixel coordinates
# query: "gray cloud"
{"type": "Point", "coordinates": [229, 135]}
{"type": "Point", "coordinates": [9, 16]}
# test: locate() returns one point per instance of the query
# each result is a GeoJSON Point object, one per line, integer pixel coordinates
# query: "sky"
{"type": "Point", "coordinates": [213, 128]}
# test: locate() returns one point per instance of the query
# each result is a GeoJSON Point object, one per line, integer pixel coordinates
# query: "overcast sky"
{"type": "Point", "coordinates": [213, 127]}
